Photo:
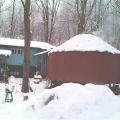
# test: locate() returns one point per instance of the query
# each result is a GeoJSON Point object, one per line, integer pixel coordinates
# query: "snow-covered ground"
{"type": "Point", "coordinates": [69, 101]}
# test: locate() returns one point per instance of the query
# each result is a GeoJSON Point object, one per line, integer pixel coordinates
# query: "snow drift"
{"type": "Point", "coordinates": [69, 101]}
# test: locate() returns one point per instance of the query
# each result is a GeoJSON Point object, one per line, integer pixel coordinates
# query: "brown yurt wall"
{"type": "Point", "coordinates": [84, 67]}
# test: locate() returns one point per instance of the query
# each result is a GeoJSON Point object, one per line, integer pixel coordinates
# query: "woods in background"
{"type": "Point", "coordinates": [55, 21]}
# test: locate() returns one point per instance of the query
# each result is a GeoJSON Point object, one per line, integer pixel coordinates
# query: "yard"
{"type": "Point", "coordinates": [69, 101]}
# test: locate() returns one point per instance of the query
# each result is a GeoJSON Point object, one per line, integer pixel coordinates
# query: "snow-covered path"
{"type": "Point", "coordinates": [67, 102]}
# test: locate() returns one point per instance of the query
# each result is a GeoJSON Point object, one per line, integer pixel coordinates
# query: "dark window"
{"type": "Point", "coordinates": [13, 51]}
{"type": "Point", "coordinates": [44, 60]}
{"type": "Point", "coordinates": [19, 51]}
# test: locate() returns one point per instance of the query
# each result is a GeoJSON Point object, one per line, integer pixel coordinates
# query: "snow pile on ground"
{"type": "Point", "coordinates": [86, 42]}
{"type": "Point", "coordinates": [69, 101]}
{"type": "Point", "coordinates": [75, 102]}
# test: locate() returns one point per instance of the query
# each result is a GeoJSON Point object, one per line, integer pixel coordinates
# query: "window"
{"type": "Point", "coordinates": [13, 51]}
{"type": "Point", "coordinates": [19, 51]}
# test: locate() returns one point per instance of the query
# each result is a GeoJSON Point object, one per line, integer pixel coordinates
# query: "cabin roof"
{"type": "Point", "coordinates": [41, 53]}
{"type": "Point", "coordinates": [20, 43]}
{"type": "Point", "coordinates": [86, 42]}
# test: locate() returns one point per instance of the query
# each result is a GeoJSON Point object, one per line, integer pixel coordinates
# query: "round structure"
{"type": "Point", "coordinates": [84, 58]}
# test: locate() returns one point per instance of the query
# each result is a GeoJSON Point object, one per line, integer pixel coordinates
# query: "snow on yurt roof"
{"type": "Point", "coordinates": [20, 43]}
{"type": "Point", "coordinates": [86, 42]}
{"type": "Point", "coordinates": [5, 52]}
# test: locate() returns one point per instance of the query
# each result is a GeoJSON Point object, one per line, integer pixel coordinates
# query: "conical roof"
{"type": "Point", "coordinates": [86, 42]}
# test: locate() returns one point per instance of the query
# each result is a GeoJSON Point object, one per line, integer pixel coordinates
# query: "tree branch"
{"type": "Point", "coordinates": [23, 3]}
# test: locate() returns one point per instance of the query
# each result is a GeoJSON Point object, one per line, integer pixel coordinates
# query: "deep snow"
{"type": "Point", "coordinates": [70, 101]}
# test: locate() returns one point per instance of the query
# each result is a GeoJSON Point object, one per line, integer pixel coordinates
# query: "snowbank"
{"type": "Point", "coordinates": [75, 102]}
{"type": "Point", "coordinates": [86, 42]}
{"type": "Point", "coordinates": [69, 101]}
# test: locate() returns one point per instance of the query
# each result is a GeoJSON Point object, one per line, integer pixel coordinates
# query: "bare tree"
{"type": "Point", "coordinates": [117, 5]}
{"type": "Point", "coordinates": [116, 26]}
{"type": "Point", "coordinates": [49, 11]}
{"type": "Point", "coordinates": [1, 4]}
{"type": "Point", "coordinates": [25, 83]}
{"type": "Point", "coordinates": [82, 12]}
{"type": "Point", "coordinates": [83, 9]}
{"type": "Point", "coordinates": [12, 21]}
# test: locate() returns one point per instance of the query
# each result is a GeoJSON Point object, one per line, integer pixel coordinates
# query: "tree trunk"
{"type": "Point", "coordinates": [46, 21]}
{"type": "Point", "coordinates": [25, 83]}
{"type": "Point", "coordinates": [12, 21]}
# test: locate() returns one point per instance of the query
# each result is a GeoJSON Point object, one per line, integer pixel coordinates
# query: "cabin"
{"type": "Point", "coordinates": [15, 60]}
{"type": "Point", "coordinates": [85, 58]}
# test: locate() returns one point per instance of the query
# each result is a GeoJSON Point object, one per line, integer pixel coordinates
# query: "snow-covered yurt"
{"type": "Point", "coordinates": [84, 58]}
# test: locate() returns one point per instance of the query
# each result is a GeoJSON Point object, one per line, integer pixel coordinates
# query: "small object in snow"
{"type": "Point", "coordinates": [8, 96]}
{"type": "Point", "coordinates": [37, 78]}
